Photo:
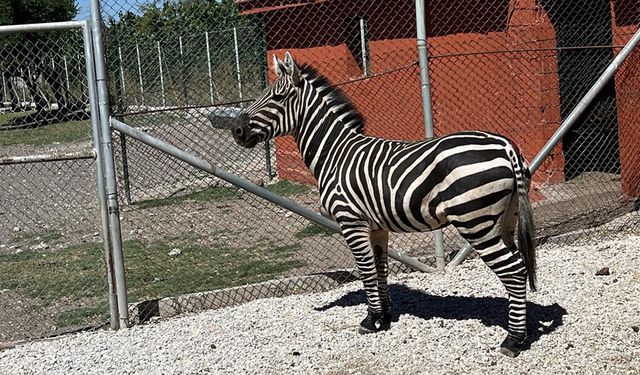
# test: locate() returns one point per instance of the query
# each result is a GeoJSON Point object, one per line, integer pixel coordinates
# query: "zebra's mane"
{"type": "Point", "coordinates": [340, 103]}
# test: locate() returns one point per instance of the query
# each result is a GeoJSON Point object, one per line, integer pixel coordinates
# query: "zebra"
{"type": "Point", "coordinates": [476, 181]}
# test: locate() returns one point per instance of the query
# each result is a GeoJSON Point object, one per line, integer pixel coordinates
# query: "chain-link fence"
{"type": "Point", "coordinates": [52, 274]}
{"type": "Point", "coordinates": [181, 71]}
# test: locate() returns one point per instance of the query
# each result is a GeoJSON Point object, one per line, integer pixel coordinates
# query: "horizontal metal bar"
{"type": "Point", "coordinates": [573, 117]}
{"type": "Point", "coordinates": [43, 158]}
{"type": "Point", "coordinates": [39, 27]}
{"type": "Point", "coordinates": [251, 187]}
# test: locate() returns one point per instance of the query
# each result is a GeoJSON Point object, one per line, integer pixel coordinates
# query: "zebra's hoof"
{"type": "Point", "coordinates": [511, 347]}
{"type": "Point", "coordinates": [366, 330]}
{"type": "Point", "coordinates": [368, 325]}
{"type": "Point", "coordinates": [385, 322]}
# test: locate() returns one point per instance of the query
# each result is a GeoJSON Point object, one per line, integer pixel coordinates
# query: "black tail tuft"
{"type": "Point", "coordinates": [526, 232]}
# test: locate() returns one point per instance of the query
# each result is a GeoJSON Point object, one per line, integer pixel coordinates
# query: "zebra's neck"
{"type": "Point", "coordinates": [325, 122]}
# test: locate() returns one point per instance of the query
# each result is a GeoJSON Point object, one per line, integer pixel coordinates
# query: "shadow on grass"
{"type": "Point", "coordinates": [491, 311]}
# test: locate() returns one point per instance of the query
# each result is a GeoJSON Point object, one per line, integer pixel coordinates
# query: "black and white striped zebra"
{"type": "Point", "coordinates": [476, 181]}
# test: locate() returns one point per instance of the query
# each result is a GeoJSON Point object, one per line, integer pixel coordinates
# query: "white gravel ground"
{"type": "Point", "coordinates": [446, 323]}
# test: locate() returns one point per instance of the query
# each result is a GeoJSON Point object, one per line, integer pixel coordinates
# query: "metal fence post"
{"type": "Point", "coordinates": [421, 30]}
{"type": "Point", "coordinates": [164, 100]}
{"type": "Point", "coordinates": [66, 72]}
{"type": "Point", "coordinates": [4, 87]}
{"type": "Point", "coordinates": [102, 195]}
{"type": "Point", "coordinates": [363, 47]}
{"type": "Point", "coordinates": [140, 75]}
{"type": "Point", "coordinates": [238, 74]}
{"type": "Point", "coordinates": [109, 168]}
{"type": "Point", "coordinates": [123, 86]}
{"type": "Point", "coordinates": [183, 67]}
{"type": "Point", "coordinates": [206, 37]}
{"type": "Point", "coordinates": [121, 94]}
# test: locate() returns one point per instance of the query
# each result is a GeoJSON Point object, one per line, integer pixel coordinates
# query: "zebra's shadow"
{"type": "Point", "coordinates": [491, 311]}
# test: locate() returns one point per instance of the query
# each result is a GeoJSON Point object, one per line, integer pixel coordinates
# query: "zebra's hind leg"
{"type": "Point", "coordinates": [507, 263]}
{"type": "Point", "coordinates": [380, 245]}
{"type": "Point", "coordinates": [357, 234]}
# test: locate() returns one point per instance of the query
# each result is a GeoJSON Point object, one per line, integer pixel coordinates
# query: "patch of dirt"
{"type": "Point", "coordinates": [20, 317]}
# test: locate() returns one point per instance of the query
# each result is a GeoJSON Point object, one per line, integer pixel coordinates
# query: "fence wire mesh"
{"type": "Point", "coordinates": [52, 275]}
{"type": "Point", "coordinates": [183, 70]}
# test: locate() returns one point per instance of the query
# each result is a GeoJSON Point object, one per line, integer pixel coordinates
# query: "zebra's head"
{"type": "Point", "coordinates": [271, 115]}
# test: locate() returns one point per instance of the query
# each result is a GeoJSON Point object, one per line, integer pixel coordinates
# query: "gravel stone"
{"type": "Point", "coordinates": [578, 324]}
{"type": "Point", "coordinates": [174, 252]}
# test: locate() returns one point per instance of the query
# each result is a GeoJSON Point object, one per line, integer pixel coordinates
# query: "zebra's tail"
{"type": "Point", "coordinates": [526, 227]}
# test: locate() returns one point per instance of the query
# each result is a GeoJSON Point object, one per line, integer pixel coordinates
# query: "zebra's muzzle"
{"type": "Point", "coordinates": [242, 133]}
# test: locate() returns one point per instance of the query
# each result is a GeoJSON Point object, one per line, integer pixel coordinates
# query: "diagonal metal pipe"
{"type": "Point", "coordinates": [251, 187]}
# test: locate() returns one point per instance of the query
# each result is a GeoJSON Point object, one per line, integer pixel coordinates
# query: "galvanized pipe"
{"type": "Point", "coordinates": [39, 27]}
{"type": "Point", "coordinates": [427, 111]}
{"type": "Point", "coordinates": [109, 168]}
{"type": "Point", "coordinates": [42, 158]}
{"type": "Point", "coordinates": [122, 82]}
{"type": "Point", "coordinates": [164, 99]}
{"type": "Point", "coordinates": [363, 48]}
{"type": "Point", "coordinates": [239, 77]}
{"type": "Point", "coordinates": [66, 72]}
{"type": "Point", "coordinates": [250, 187]}
{"type": "Point", "coordinates": [206, 37]}
{"type": "Point", "coordinates": [461, 255]}
{"type": "Point", "coordinates": [584, 103]}
{"type": "Point", "coordinates": [140, 75]}
{"type": "Point", "coordinates": [102, 195]}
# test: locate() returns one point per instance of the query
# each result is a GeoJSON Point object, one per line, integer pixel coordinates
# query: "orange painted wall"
{"type": "Point", "coordinates": [627, 81]}
{"type": "Point", "coordinates": [516, 94]}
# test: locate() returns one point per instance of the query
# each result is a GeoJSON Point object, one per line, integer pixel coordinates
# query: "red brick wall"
{"type": "Point", "coordinates": [627, 81]}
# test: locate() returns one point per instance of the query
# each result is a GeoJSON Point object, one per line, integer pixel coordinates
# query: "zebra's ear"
{"type": "Point", "coordinates": [291, 68]}
{"type": "Point", "coordinates": [278, 67]}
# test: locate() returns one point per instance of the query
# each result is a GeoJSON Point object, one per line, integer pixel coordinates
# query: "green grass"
{"type": "Point", "coordinates": [288, 188]}
{"type": "Point", "coordinates": [34, 238]}
{"type": "Point", "coordinates": [75, 275]}
{"type": "Point", "coordinates": [206, 195]}
{"type": "Point", "coordinates": [65, 132]}
{"type": "Point", "coordinates": [10, 116]}
{"type": "Point", "coordinates": [79, 316]}
{"type": "Point", "coordinates": [312, 230]}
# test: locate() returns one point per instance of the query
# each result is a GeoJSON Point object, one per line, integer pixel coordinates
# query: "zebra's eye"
{"type": "Point", "coordinates": [278, 97]}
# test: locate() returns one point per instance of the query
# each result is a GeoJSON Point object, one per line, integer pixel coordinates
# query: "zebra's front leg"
{"type": "Point", "coordinates": [380, 245]}
{"type": "Point", "coordinates": [357, 234]}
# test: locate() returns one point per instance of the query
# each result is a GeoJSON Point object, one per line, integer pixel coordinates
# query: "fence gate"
{"type": "Point", "coordinates": [52, 256]}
